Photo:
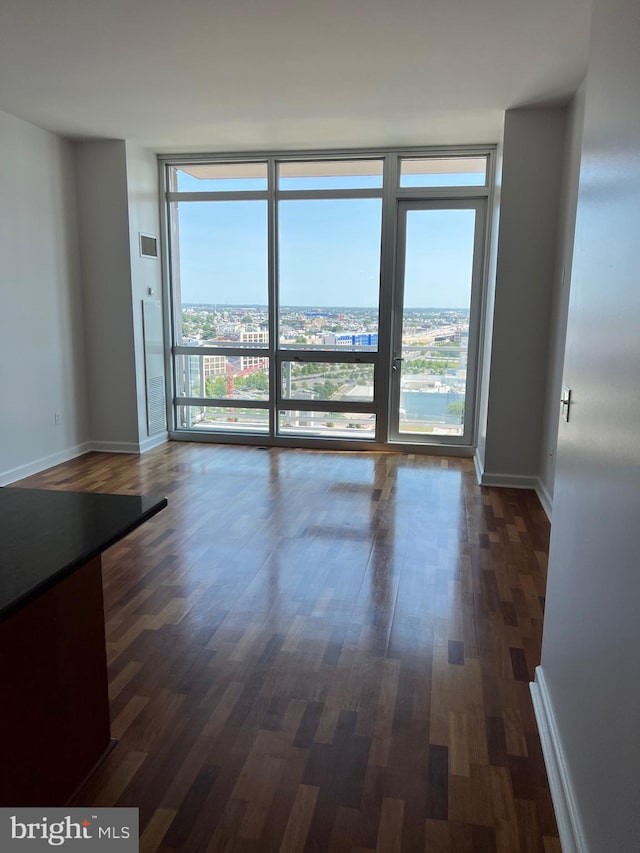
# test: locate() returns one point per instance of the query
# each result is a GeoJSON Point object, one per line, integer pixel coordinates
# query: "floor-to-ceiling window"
{"type": "Point", "coordinates": [327, 298]}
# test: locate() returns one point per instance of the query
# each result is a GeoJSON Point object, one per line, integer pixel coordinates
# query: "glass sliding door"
{"type": "Point", "coordinates": [436, 310]}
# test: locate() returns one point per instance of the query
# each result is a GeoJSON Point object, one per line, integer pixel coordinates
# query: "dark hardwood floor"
{"type": "Point", "coordinates": [315, 651]}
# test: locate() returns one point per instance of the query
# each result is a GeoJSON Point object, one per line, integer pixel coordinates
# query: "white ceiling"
{"type": "Point", "coordinates": [230, 75]}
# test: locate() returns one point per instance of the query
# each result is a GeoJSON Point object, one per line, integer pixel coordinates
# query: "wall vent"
{"type": "Point", "coordinates": [154, 366]}
{"type": "Point", "coordinates": [156, 411]}
{"type": "Point", "coordinates": [148, 246]}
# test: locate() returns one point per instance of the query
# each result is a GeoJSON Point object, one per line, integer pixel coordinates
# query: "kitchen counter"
{"type": "Point", "coordinates": [45, 535]}
{"type": "Point", "coordinates": [54, 702]}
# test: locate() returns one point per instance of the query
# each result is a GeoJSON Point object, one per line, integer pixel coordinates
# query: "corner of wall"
{"type": "Point", "coordinates": [545, 497]}
{"type": "Point", "coordinates": [562, 285]}
{"type": "Point", "coordinates": [478, 464]}
{"type": "Point", "coordinates": [153, 441]}
{"type": "Point", "coordinates": [525, 249]}
{"type": "Point", "coordinates": [110, 324]}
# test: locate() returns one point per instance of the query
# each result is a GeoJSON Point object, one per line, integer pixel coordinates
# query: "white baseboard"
{"type": "Point", "coordinates": [544, 497]}
{"type": "Point", "coordinates": [130, 446]}
{"type": "Point", "coordinates": [514, 481]}
{"type": "Point", "coordinates": [564, 804]}
{"type": "Point", "coordinates": [43, 463]}
{"type": "Point", "coordinates": [153, 441]}
{"type": "Point", "coordinates": [508, 481]}
{"type": "Point", "coordinates": [115, 446]}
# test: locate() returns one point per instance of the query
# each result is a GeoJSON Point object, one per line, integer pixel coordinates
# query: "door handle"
{"type": "Point", "coordinates": [394, 365]}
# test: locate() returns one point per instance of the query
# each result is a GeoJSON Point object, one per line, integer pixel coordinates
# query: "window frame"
{"type": "Point", "coordinates": [391, 194]}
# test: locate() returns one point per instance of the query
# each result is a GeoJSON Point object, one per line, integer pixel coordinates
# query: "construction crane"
{"type": "Point", "coordinates": [231, 376]}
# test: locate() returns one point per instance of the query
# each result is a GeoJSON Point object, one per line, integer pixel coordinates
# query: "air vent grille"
{"type": "Point", "coordinates": [156, 411]}
{"type": "Point", "coordinates": [148, 246]}
{"type": "Point", "coordinates": [154, 366]}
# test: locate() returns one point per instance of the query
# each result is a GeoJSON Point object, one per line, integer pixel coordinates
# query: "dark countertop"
{"type": "Point", "coordinates": [45, 535]}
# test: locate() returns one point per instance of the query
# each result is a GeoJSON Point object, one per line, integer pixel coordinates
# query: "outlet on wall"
{"type": "Point", "coordinates": [56, 417]}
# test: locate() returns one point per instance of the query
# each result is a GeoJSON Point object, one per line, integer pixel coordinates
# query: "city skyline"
{"type": "Point", "coordinates": [340, 308]}
{"type": "Point", "coordinates": [328, 251]}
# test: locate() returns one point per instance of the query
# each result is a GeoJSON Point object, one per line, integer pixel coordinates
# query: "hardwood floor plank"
{"type": "Point", "coordinates": [127, 716]}
{"type": "Point", "coordinates": [438, 782]}
{"type": "Point", "coordinates": [390, 829]}
{"type": "Point", "coordinates": [155, 830]}
{"type": "Point", "coordinates": [322, 652]}
{"type": "Point", "coordinates": [295, 834]}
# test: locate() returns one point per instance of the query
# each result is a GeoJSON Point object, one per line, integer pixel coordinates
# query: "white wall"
{"type": "Point", "coordinates": [560, 298]}
{"type": "Point", "coordinates": [146, 273]}
{"type": "Point", "coordinates": [591, 645]}
{"type": "Point", "coordinates": [117, 199]}
{"type": "Point", "coordinates": [533, 147]}
{"type": "Point", "coordinates": [103, 215]}
{"type": "Point", "coordinates": [41, 339]}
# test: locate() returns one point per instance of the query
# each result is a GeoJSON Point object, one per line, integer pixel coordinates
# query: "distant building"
{"type": "Point", "coordinates": [352, 339]}
{"type": "Point", "coordinates": [261, 337]}
{"type": "Point", "coordinates": [464, 350]}
{"type": "Point", "coordinates": [214, 365]}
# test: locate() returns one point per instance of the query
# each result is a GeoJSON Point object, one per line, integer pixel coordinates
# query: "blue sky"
{"type": "Point", "coordinates": [328, 253]}
{"type": "Point", "coordinates": [439, 258]}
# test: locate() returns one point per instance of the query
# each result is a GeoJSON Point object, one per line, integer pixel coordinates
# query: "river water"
{"type": "Point", "coordinates": [430, 406]}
